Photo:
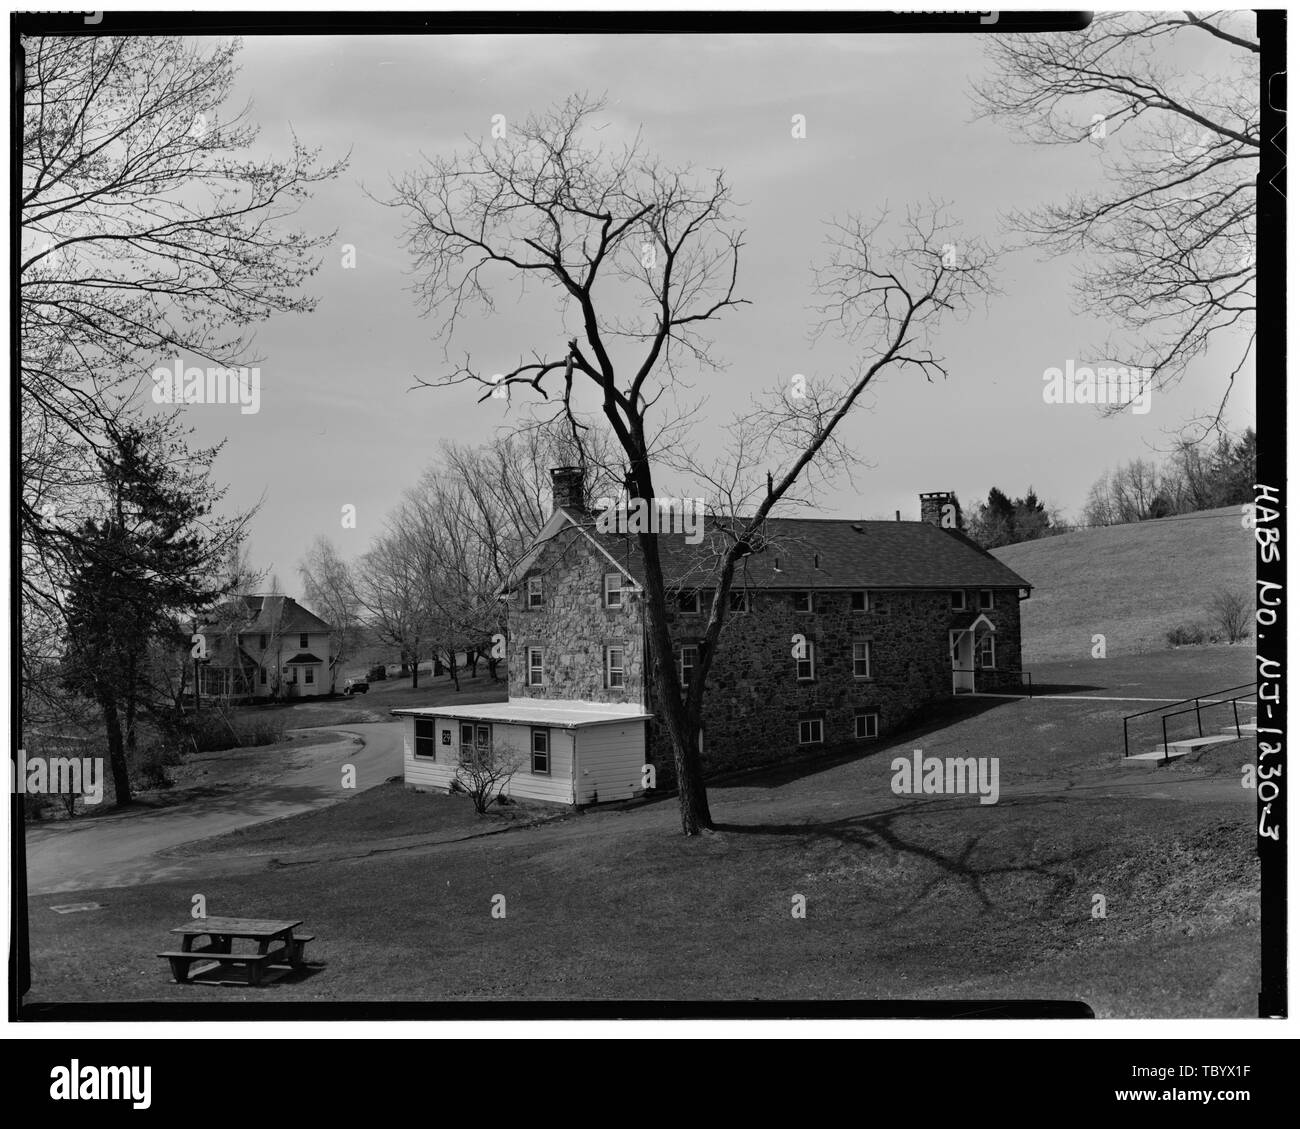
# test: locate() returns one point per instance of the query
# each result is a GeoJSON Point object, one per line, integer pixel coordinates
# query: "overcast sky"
{"type": "Point", "coordinates": [888, 121]}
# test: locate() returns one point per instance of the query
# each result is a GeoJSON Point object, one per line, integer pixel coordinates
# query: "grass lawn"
{"type": "Point", "coordinates": [1131, 583]}
{"type": "Point", "coordinates": [907, 896]}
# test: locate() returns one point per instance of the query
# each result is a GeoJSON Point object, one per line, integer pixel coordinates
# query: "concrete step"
{"type": "Point", "coordinates": [1180, 748]}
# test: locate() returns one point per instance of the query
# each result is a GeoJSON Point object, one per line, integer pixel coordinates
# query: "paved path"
{"type": "Point", "coordinates": [122, 850]}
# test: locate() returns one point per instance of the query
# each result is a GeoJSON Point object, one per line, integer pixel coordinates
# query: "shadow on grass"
{"type": "Point", "coordinates": [876, 831]}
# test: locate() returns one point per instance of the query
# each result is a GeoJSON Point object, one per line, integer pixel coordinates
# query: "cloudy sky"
{"type": "Point", "coordinates": [889, 121]}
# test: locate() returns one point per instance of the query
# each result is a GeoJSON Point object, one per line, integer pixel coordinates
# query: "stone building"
{"type": "Point", "coordinates": [839, 632]}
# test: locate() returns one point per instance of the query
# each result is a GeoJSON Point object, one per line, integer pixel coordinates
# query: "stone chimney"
{"type": "Point", "coordinates": [932, 506]}
{"type": "Point", "coordinates": [568, 489]}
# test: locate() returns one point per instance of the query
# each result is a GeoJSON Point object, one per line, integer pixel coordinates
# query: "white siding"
{"type": "Point", "coordinates": [610, 759]}
{"type": "Point", "coordinates": [440, 771]}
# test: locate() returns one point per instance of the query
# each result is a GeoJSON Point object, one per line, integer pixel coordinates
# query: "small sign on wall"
{"type": "Point", "coordinates": [446, 736]}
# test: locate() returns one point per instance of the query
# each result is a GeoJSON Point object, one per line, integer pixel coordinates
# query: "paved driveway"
{"type": "Point", "coordinates": [122, 850]}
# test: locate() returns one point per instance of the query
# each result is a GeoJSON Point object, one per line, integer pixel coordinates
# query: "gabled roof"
{"type": "Point", "coordinates": [267, 614]}
{"type": "Point", "coordinates": [805, 553]}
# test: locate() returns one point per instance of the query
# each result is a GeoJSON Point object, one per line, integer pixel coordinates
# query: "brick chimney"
{"type": "Point", "coordinates": [568, 489]}
{"type": "Point", "coordinates": [932, 506]}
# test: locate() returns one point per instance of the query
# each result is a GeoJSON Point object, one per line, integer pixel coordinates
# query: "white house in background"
{"type": "Point", "coordinates": [567, 752]}
{"type": "Point", "coordinates": [258, 645]}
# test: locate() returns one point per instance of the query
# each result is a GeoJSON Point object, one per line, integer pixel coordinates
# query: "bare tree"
{"type": "Point", "coordinates": [149, 230]}
{"type": "Point", "coordinates": [329, 586]}
{"type": "Point", "coordinates": [1231, 612]}
{"type": "Point", "coordinates": [547, 207]}
{"type": "Point", "coordinates": [484, 773]}
{"type": "Point", "coordinates": [1173, 231]}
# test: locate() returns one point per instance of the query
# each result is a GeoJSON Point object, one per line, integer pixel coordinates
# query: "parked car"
{"type": "Point", "coordinates": [355, 686]}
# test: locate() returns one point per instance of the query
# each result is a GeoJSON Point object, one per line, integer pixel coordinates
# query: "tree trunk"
{"type": "Point", "coordinates": [455, 672]}
{"type": "Point", "coordinates": [116, 753]}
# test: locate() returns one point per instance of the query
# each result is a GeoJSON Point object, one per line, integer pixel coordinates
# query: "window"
{"type": "Point", "coordinates": [424, 738]}
{"type": "Point", "coordinates": [802, 601]}
{"type": "Point", "coordinates": [262, 676]}
{"type": "Point", "coordinates": [738, 601]}
{"type": "Point", "coordinates": [803, 667]}
{"type": "Point", "coordinates": [688, 602]}
{"type": "Point", "coordinates": [534, 666]}
{"type": "Point", "coordinates": [690, 657]}
{"type": "Point", "coordinates": [862, 660]}
{"type": "Point", "coordinates": [302, 641]}
{"type": "Point", "coordinates": [985, 653]}
{"type": "Point", "coordinates": [810, 731]}
{"type": "Point", "coordinates": [310, 675]}
{"type": "Point", "coordinates": [613, 590]}
{"type": "Point", "coordinates": [986, 599]}
{"type": "Point", "coordinates": [858, 601]}
{"type": "Point", "coordinates": [957, 600]}
{"type": "Point", "coordinates": [535, 597]}
{"type": "Point", "coordinates": [542, 751]}
{"type": "Point", "coordinates": [261, 642]}
{"type": "Point", "coordinates": [613, 668]}
{"type": "Point", "coordinates": [865, 725]}
{"type": "Point", "coordinates": [475, 743]}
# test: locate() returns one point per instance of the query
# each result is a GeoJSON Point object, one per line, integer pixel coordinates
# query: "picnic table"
{"type": "Point", "coordinates": [277, 945]}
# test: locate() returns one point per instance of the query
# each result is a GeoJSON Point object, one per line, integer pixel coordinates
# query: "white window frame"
{"type": "Point", "coordinates": [614, 594]}
{"type": "Point", "coordinates": [432, 739]}
{"type": "Point", "coordinates": [688, 669]}
{"type": "Point", "coordinates": [531, 651]}
{"type": "Point", "coordinates": [866, 601]}
{"type": "Point", "coordinates": [532, 758]}
{"type": "Point", "coordinates": [309, 676]}
{"type": "Point", "coordinates": [864, 721]}
{"type": "Point", "coordinates": [810, 659]}
{"type": "Point", "coordinates": [957, 607]}
{"type": "Point", "coordinates": [694, 609]}
{"type": "Point", "coordinates": [536, 589]}
{"type": "Point", "coordinates": [806, 606]}
{"type": "Point", "coordinates": [743, 595]}
{"type": "Point", "coordinates": [621, 669]}
{"type": "Point", "coordinates": [819, 731]}
{"type": "Point", "coordinates": [866, 645]}
{"type": "Point", "coordinates": [980, 664]}
{"type": "Point", "coordinates": [989, 593]}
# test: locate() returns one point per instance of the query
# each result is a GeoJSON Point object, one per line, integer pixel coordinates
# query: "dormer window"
{"type": "Point", "coordinates": [536, 598]}
{"type": "Point", "coordinates": [613, 590]}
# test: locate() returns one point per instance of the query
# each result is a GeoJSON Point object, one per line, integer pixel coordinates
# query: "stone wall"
{"type": "Point", "coordinates": [754, 702]}
{"type": "Point", "coordinates": [573, 628]}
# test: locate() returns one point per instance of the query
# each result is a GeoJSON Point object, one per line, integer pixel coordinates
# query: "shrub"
{"type": "Point", "coordinates": [1230, 612]}
{"type": "Point", "coordinates": [1185, 636]}
{"type": "Point", "coordinates": [150, 767]}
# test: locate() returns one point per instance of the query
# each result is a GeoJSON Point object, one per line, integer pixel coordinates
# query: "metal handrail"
{"type": "Point", "coordinates": [1236, 718]}
{"type": "Point", "coordinates": [1198, 698]}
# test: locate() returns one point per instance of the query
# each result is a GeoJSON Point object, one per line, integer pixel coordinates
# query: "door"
{"type": "Point", "coordinates": [961, 645]}
{"type": "Point", "coordinates": [466, 742]}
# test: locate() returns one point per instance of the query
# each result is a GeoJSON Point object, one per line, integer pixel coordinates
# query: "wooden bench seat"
{"type": "Point", "coordinates": [181, 962]}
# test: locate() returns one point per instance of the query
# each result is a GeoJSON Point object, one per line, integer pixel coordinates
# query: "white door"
{"type": "Point", "coordinates": [961, 644]}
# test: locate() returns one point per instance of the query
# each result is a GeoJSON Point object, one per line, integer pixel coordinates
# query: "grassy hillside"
{"type": "Point", "coordinates": [1131, 583]}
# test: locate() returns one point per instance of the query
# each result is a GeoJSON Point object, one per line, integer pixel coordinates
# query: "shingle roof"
{"type": "Point", "coordinates": [824, 553]}
{"type": "Point", "coordinates": [267, 614]}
